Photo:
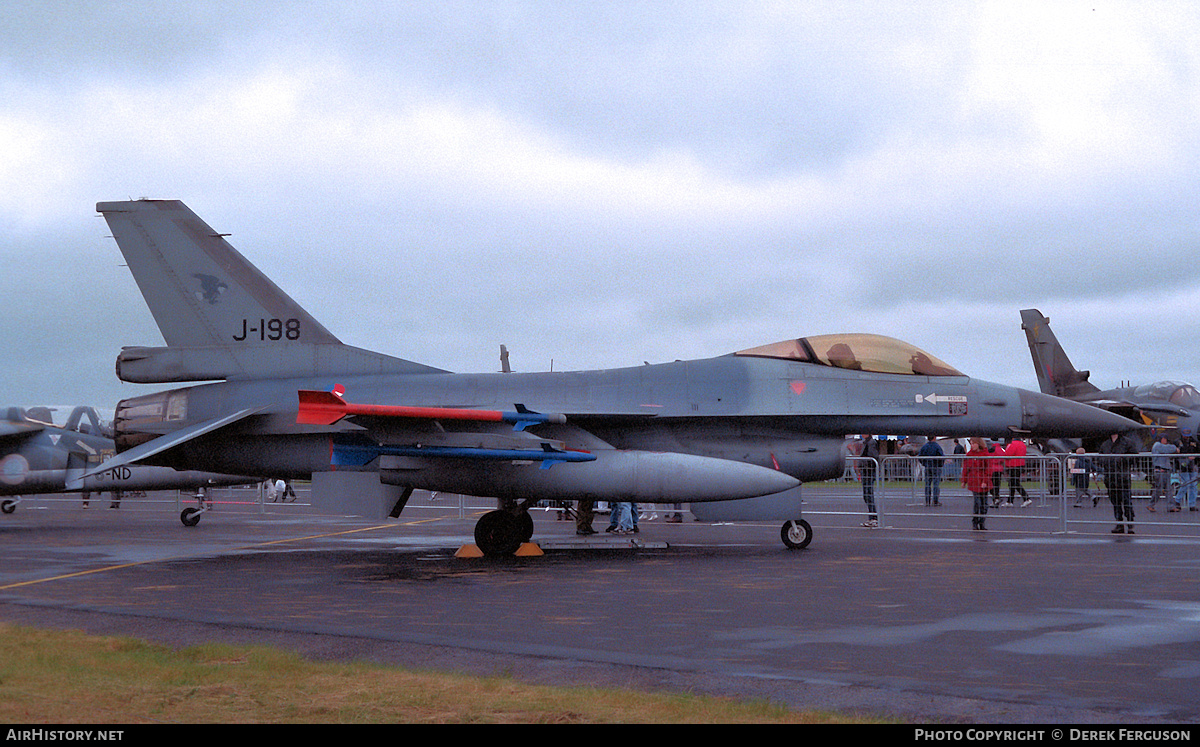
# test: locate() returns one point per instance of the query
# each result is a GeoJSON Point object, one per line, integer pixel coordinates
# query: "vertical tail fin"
{"type": "Point", "coordinates": [200, 290]}
{"type": "Point", "coordinates": [219, 314]}
{"type": "Point", "coordinates": [1056, 375]}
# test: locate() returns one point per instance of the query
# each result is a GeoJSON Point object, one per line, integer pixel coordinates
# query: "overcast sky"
{"type": "Point", "coordinates": [602, 184]}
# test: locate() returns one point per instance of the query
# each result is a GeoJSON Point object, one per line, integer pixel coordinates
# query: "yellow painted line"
{"type": "Point", "coordinates": [19, 584]}
{"type": "Point", "coordinates": [334, 534]}
{"type": "Point", "coordinates": [105, 569]}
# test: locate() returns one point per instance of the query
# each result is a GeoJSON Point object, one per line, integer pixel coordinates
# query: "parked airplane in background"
{"type": "Point", "coordinates": [294, 401]}
{"type": "Point", "coordinates": [37, 456]}
{"type": "Point", "coordinates": [1163, 404]}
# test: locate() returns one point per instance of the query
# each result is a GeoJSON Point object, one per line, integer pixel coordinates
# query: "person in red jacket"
{"type": "Point", "coordinates": [1015, 451]}
{"type": "Point", "coordinates": [977, 477]}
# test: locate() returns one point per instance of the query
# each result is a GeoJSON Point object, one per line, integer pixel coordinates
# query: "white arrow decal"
{"type": "Point", "coordinates": [934, 399]}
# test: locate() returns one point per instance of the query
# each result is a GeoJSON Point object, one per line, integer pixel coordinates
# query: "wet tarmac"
{"type": "Point", "coordinates": [926, 622]}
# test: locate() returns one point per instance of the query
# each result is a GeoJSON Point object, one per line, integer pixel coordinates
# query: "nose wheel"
{"type": "Point", "coordinates": [796, 534]}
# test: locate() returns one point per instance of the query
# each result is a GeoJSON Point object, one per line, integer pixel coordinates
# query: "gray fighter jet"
{"type": "Point", "coordinates": [1161, 405]}
{"type": "Point", "coordinates": [291, 400]}
{"type": "Point", "coordinates": [37, 456]}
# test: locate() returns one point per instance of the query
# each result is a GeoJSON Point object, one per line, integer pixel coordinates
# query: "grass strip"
{"type": "Point", "coordinates": [68, 677]}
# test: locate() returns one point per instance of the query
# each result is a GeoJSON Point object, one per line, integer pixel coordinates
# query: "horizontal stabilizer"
{"type": "Point", "coordinates": [327, 408]}
{"type": "Point", "coordinates": [164, 443]}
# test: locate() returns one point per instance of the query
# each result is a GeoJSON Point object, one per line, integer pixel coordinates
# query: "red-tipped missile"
{"type": "Point", "coordinates": [327, 408]}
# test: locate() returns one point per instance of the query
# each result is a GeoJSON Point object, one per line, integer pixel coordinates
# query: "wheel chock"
{"type": "Point", "coordinates": [526, 550]}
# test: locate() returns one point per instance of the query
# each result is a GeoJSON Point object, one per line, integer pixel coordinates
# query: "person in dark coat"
{"type": "Point", "coordinates": [932, 456]}
{"type": "Point", "coordinates": [1116, 466]}
{"type": "Point", "coordinates": [867, 473]}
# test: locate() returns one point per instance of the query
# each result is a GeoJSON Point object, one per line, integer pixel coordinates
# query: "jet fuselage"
{"type": "Point", "coordinates": [295, 401]}
{"type": "Point", "coordinates": [787, 416]}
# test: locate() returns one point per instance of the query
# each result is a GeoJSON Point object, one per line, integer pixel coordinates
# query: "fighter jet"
{"type": "Point", "coordinates": [288, 398]}
{"type": "Point", "coordinates": [37, 456]}
{"type": "Point", "coordinates": [1161, 405]}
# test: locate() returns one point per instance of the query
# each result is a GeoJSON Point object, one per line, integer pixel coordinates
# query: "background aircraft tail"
{"type": "Point", "coordinates": [1056, 375]}
{"type": "Point", "coordinates": [220, 315]}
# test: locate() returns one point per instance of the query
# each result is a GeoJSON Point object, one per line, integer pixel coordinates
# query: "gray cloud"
{"type": "Point", "coordinates": [616, 183]}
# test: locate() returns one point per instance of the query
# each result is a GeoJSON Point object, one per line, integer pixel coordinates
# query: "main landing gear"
{"type": "Point", "coordinates": [190, 516]}
{"type": "Point", "coordinates": [501, 532]}
{"type": "Point", "coordinates": [8, 505]}
{"type": "Point", "coordinates": [796, 534]}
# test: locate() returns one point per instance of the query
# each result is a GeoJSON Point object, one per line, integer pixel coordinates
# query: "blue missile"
{"type": "Point", "coordinates": [357, 455]}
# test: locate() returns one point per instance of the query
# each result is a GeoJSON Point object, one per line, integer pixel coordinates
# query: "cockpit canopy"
{"type": "Point", "coordinates": [82, 419]}
{"type": "Point", "coordinates": [1183, 395]}
{"type": "Point", "coordinates": [859, 352]}
{"type": "Point", "coordinates": [36, 415]}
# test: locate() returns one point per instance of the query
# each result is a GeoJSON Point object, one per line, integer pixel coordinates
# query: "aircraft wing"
{"type": "Point", "coordinates": [1130, 409]}
{"type": "Point", "coordinates": [15, 430]}
{"type": "Point", "coordinates": [1164, 409]}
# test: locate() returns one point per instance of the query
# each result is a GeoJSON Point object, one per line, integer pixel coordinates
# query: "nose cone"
{"type": "Point", "coordinates": [1054, 417]}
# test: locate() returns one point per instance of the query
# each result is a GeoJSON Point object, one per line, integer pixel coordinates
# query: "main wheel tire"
{"type": "Point", "coordinates": [498, 533]}
{"type": "Point", "coordinates": [190, 516]}
{"type": "Point", "coordinates": [8, 506]}
{"type": "Point", "coordinates": [796, 534]}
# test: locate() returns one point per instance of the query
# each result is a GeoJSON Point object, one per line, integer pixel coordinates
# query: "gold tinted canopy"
{"type": "Point", "coordinates": [858, 352]}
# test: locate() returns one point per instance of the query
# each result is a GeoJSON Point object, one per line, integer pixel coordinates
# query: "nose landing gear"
{"type": "Point", "coordinates": [796, 534]}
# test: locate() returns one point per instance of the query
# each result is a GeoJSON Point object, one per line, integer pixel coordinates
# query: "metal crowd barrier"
{"type": "Point", "coordinates": [1066, 493]}
{"type": "Point", "coordinates": [1047, 501]}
